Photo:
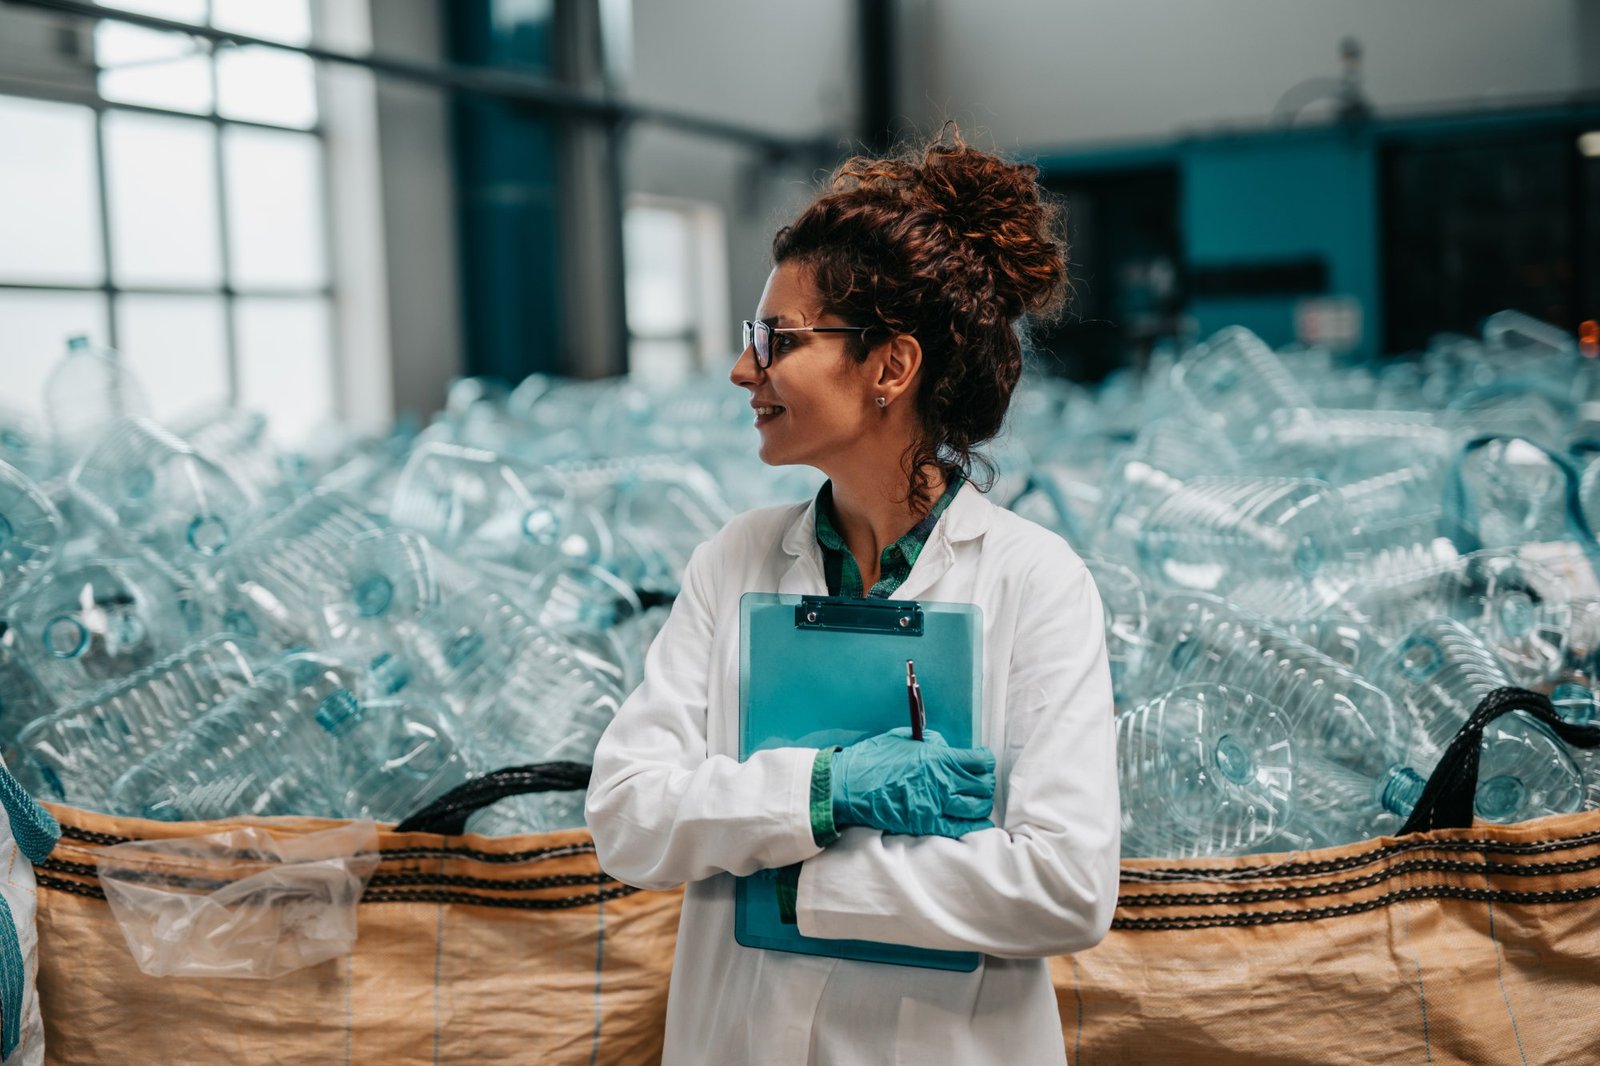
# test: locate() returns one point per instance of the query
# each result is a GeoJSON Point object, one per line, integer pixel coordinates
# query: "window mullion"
{"type": "Point", "coordinates": [230, 318]}
{"type": "Point", "coordinates": [103, 190]}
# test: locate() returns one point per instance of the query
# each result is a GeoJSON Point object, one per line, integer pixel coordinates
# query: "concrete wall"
{"type": "Point", "coordinates": [783, 68]}
{"type": "Point", "coordinates": [1028, 75]}
{"type": "Point", "coordinates": [1035, 73]}
{"type": "Point", "coordinates": [419, 210]}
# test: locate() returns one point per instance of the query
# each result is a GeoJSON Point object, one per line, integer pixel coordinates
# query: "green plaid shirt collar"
{"type": "Point", "coordinates": [894, 566]}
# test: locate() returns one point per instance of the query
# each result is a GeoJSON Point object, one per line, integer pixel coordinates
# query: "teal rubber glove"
{"type": "Point", "coordinates": [917, 787]}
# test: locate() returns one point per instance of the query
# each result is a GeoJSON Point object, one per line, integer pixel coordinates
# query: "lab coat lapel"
{"type": "Point", "coordinates": [966, 518]}
{"type": "Point", "coordinates": [803, 576]}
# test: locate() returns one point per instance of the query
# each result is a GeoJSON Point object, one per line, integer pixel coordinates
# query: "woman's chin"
{"type": "Point", "coordinates": [769, 453]}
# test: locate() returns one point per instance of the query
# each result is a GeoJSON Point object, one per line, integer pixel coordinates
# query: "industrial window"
{"type": "Point", "coordinates": [676, 285]}
{"type": "Point", "coordinates": [177, 213]}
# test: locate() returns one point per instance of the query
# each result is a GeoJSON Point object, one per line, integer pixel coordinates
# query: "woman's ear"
{"type": "Point", "coordinates": [899, 359]}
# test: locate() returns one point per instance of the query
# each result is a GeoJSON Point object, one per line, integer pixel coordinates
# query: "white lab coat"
{"type": "Point", "coordinates": [670, 803]}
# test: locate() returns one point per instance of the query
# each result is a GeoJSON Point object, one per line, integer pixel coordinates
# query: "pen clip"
{"type": "Point", "coordinates": [919, 716]}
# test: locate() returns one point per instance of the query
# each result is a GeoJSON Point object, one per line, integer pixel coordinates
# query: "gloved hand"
{"type": "Point", "coordinates": [917, 787]}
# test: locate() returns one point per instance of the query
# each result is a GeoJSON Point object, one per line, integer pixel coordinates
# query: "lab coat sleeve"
{"type": "Point", "coordinates": [662, 810]}
{"type": "Point", "coordinates": [1044, 882]}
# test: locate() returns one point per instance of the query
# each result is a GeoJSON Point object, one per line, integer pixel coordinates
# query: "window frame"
{"type": "Point", "coordinates": [706, 333]}
{"type": "Point", "coordinates": [88, 95]}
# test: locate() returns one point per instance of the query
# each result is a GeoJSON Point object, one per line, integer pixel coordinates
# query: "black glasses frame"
{"type": "Point", "coordinates": [758, 335]}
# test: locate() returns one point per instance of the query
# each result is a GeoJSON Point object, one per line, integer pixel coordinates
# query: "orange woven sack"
{"type": "Point", "coordinates": [470, 949]}
{"type": "Point", "coordinates": [1448, 944]}
{"type": "Point", "coordinates": [1468, 946]}
{"type": "Point", "coordinates": [1445, 945]}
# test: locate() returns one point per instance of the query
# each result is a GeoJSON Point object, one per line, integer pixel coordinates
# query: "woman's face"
{"type": "Point", "coordinates": [825, 403]}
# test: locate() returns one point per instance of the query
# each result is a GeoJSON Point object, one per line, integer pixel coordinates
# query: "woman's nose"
{"type": "Point", "coordinates": [744, 368]}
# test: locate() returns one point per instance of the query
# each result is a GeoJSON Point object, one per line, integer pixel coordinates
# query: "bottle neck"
{"type": "Point", "coordinates": [1400, 791]}
{"type": "Point", "coordinates": [339, 713]}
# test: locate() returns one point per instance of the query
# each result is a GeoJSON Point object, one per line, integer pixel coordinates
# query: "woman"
{"type": "Point", "coordinates": [884, 351]}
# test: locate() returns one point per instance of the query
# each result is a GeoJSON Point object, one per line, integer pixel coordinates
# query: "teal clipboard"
{"type": "Point", "coordinates": [817, 671]}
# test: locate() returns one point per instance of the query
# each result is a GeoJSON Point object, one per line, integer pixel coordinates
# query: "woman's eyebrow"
{"type": "Point", "coordinates": [787, 319]}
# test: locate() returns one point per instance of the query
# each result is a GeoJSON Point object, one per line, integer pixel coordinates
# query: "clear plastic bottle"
{"type": "Point", "coordinates": [1126, 609]}
{"type": "Point", "coordinates": [634, 636]}
{"type": "Point", "coordinates": [1234, 382]}
{"type": "Point", "coordinates": [1524, 338]}
{"type": "Point", "coordinates": [24, 443]}
{"type": "Point", "coordinates": [92, 623]}
{"type": "Point", "coordinates": [577, 597]}
{"type": "Point", "coordinates": [74, 754]}
{"type": "Point", "coordinates": [470, 501]}
{"type": "Point", "coordinates": [348, 598]}
{"type": "Point", "coordinates": [1260, 541]}
{"type": "Point", "coordinates": [1524, 404]}
{"type": "Point", "coordinates": [1345, 641]}
{"type": "Point", "coordinates": [1440, 671]}
{"type": "Point", "coordinates": [239, 441]}
{"type": "Point", "coordinates": [1165, 454]}
{"type": "Point", "coordinates": [158, 493]}
{"type": "Point", "coordinates": [1357, 443]}
{"type": "Point", "coordinates": [299, 741]}
{"type": "Point", "coordinates": [324, 520]}
{"type": "Point", "coordinates": [1520, 608]}
{"type": "Point", "coordinates": [1575, 700]}
{"type": "Point", "coordinates": [23, 699]}
{"type": "Point", "coordinates": [1359, 758]}
{"type": "Point", "coordinates": [523, 694]}
{"type": "Point", "coordinates": [659, 520]}
{"type": "Point", "coordinates": [1202, 638]}
{"type": "Point", "coordinates": [1589, 488]}
{"type": "Point", "coordinates": [88, 389]}
{"type": "Point", "coordinates": [1507, 491]}
{"type": "Point", "coordinates": [31, 531]}
{"type": "Point", "coordinates": [1042, 500]}
{"type": "Point", "coordinates": [1205, 769]}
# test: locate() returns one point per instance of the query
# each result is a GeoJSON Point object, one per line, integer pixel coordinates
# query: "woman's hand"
{"type": "Point", "coordinates": [917, 787]}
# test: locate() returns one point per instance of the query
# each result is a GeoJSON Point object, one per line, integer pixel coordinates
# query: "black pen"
{"type": "Point", "coordinates": [919, 716]}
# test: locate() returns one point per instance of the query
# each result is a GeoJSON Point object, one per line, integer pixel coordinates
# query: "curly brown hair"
{"type": "Point", "coordinates": [950, 245]}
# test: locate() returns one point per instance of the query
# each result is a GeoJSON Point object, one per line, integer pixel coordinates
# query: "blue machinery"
{"type": "Point", "coordinates": [1269, 218]}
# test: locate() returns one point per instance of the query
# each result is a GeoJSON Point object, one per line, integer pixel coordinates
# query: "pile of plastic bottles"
{"type": "Point", "coordinates": [196, 623]}
{"type": "Point", "coordinates": [1313, 570]}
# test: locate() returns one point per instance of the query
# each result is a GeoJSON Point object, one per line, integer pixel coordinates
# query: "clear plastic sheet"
{"type": "Point", "coordinates": [242, 903]}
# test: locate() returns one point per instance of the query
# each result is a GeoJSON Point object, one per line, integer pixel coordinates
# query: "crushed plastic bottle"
{"type": "Point", "coordinates": [31, 531]}
{"type": "Point", "coordinates": [73, 755]}
{"type": "Point", "coordinates": [299, 741]}
{"type": "Point", "coordinates": [1205, 769]}
{"type": "Point", "coordinates": [1441, 672]}
{"type": "Point", "coordinates": [147, 486]}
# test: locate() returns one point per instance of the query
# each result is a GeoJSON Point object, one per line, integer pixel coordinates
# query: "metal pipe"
{"type": "Point", "coordinates": [532, 93]}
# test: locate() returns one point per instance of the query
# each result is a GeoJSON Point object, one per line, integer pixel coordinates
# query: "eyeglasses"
{"type": "Point", "coordinates": [759, 335]}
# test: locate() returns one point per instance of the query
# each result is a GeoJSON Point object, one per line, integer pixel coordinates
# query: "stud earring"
{"type": "Point", "coordinates": [882, 402]}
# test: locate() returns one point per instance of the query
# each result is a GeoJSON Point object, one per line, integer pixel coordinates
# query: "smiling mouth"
{"type": "Point", "coordinates": [765, 414]}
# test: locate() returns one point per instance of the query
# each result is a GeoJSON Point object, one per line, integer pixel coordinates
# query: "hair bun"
{"type": "Point", "coordinates": [985, 203]}
{"type": "Point", "coordinates": [999, 207]}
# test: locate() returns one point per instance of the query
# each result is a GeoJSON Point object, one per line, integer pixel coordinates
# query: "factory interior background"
{"type": "Point", "coordinates": [364, 398]}
{"type": "Point", "coordinates": [381, 197]}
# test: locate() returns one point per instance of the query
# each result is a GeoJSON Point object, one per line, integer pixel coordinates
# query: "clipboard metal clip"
{"type": "Point", "coordinates": [859, 616]}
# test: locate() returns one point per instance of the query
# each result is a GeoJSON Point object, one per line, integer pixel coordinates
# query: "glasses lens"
{"type": "Point", "coordinates": [759, 336]}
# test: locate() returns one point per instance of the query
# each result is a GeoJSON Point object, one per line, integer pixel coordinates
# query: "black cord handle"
{"type": "Point", "coordinates": [1446, 800]}
{"type": "Point", "coordinates": [449, 813]}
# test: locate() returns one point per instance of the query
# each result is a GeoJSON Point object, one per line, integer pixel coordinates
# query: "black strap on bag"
{"type": "Point", "coordinates": [1446, 800]}
{"type": "Point", "coordinates": [449, 813]}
